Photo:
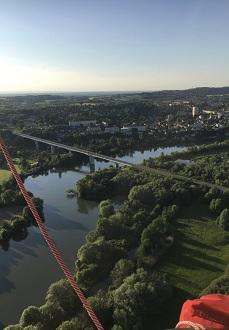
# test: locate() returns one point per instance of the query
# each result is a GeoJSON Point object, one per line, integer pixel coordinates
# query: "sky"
{"type": "Point", "coordinates": [113, 45]}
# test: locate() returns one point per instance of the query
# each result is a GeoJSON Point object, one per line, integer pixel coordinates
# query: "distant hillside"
{"type": "Point", "coordinates": [193, 92]}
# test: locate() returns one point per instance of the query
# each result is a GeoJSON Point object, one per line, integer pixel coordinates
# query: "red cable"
{"type": "Point", "coordinates": [48, 239]}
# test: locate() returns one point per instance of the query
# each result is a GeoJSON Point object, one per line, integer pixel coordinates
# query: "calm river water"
{"type": "Point", "coordinates": [28, 267]}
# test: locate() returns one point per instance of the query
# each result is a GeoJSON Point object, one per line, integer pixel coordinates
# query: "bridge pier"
{"type": "Point", "coordinates": [37, 145]}
{"type": "Point", "coordinates": [117, 165]}
{"type": "Point", "coordinates": [92, 163]}
{"type": "Point", "coordinates": [52, 149]}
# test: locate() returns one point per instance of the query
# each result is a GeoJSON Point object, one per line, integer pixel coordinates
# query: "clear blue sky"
{"type": "Point", "coordinates": [104, 45]}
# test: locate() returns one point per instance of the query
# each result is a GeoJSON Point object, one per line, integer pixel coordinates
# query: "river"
{"type": "Point", "coordinates": [28, 267]}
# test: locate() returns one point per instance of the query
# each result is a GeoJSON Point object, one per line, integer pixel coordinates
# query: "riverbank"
{"type": "Point", "coordinates": [6, 213]}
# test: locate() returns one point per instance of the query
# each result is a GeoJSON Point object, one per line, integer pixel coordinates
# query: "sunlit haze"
{"type": "Point", "coordinates": [106, 45]}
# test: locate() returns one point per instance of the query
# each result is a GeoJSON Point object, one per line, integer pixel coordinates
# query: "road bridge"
{"type": "Point", "coordinates": [90, 154]}
{"type": "Point", "coordinates": [93, 155]}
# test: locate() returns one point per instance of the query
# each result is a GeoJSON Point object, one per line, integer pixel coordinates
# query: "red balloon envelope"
{"type": "Point", "coordinates": [210, 311]}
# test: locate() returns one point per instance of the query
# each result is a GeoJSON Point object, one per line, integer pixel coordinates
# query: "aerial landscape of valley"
{"type": "Point", "coordinates": [112, 209]}
{"type": "Point", "coordinates": [114, 164]}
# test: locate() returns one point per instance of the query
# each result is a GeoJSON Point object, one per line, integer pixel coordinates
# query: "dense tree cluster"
{"type": "Point", "coordinates": [219, 202]}
{"type": "Point", "coordinates": [16, 227]}
{"type": "Point", "coordinates": [208, 168]}
{"type": "Point", "coordinates": [123, 250]}
{"type": "Point", "coordinates": [108, 249]}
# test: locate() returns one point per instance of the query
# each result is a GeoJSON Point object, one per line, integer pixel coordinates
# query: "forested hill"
{"type": "Point", "coordinates": [193, 92]}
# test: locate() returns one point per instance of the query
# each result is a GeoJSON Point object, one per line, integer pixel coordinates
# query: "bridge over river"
{"type": "Point", "coordinates": [93, 155]}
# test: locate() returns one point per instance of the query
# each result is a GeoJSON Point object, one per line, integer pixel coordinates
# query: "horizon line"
{"type": "Point", "coordinates": [99, 92]}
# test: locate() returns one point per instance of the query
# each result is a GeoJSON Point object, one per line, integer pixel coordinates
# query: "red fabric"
{"type": "Point", "coordinates": [211, 311]}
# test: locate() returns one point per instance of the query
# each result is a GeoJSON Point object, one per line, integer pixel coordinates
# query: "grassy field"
{"type": "Point", "coordinates": [199, 255]}
{"type": "Point", "coordinates": [5, 171]}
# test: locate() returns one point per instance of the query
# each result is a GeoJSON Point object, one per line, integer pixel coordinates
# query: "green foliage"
{"type": "Point", "coordinates": [227, 270]}
{"type": "Point", "coordinates": [102, 304]}
{"type": "Point", "coordinates": [139, 298]}
{"type": "Point", "coordinates": [27, 214]}
{"type": "Point", "coordinates": [121, 270]}
{"type": "Point", "coordinates": [52, 315]}
{"type": "Point", "coordinates": [143, 194]}
{"type": "Point", "coordinates": [62, 295]}
{"type": "Point", "coordinates": [220, 285]}
{"type": "Point", "coordinates": [99, 255]}
{"type": "Point", "coordinates": [127, 178]}
{"type": "Point", "coordinates": [208, 168]}
{"type": "Point", "coordinates": [38, 326]}
{"type": "Point", "coordinates": [96, 186]}
{"type": "Point", "coordinates": [68, 325]}
{"type": "Point", "coordinates": [223, 219]}
{"type": "Point", "coordinates": [154, 236]}
{"type": "Point", "coordinates": [106, 208]}
{"type": "Point", "coordinates": [15, 228]}
{"type": "Point", "coordinates": [139, 221]}
{"type": "Point", "coordinates": [76, 325]}
{"type": "Point", "coordinates": [182, 195]}
{"type": "Point", "coordinates": [10, 197]}
{"type": "Point", "coordinates": [170, 212]}
{"type": "Point", "coordinates": [198, 256]}
{"type": "Point", "coordinates": [147, 216]}
{"type": "Point", "coordinates": [213, 193]}
{"type": "Point", "coordinates": [113, 227]}
{"type": "Point", "coordinates": [30, 316]}
{"type": "Point", "coordinates": [217, 205]}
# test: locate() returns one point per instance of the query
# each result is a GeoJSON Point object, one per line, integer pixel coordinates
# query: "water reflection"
{"type": "Point", "coordinates": [85, 206]}
{"type": "Point", "coordinates": [68, 221]}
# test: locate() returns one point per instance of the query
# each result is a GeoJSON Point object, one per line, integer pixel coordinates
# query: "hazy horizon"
{"type": "Point", "coordinates": [117, 45]}
{"type": "Point", "coordinates": [24, 93]}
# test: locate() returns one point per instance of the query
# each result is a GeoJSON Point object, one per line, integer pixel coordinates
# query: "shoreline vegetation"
{"type": "Point", "coordinates": [162, 221]}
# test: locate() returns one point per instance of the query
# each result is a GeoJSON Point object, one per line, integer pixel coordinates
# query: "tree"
{"type": "Point", "coordinates": [144, 194]}
{"type": "Point", "coordinates": [101, 304]}
{"type": "Point", "coordinates": [96, 259]}
{"type": "Point", "coordinates": [213, 193]}
{"type": "Point", "coordinates": [139, 298]}
{"type": "Point", "coordinates": [121, 270]}
{"type": "Point", "coordinates": [75, 324]}
{"type": "Point", "coordinates": [61, 294]}
{"type": "Point", "coordinates": [106, 208]}
{"type": "Point", "coordinates": [53, 315]}
{"type": "Point", "coordinates": [9, 197]}
{"type": "Point", "coordinates": [219, 285]}
{"type": "Point", "coordinates": [216, 205]}
{"type": "Point", "coordinates": [153, 236]}
{"type": "Point", "coordinates": [30, 316]}
{"type": "Point", "coordinates": [27, 214]}
{"type": "Point", "coordinates": [223, 219]}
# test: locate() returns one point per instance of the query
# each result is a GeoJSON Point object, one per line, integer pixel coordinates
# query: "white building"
{"type": "Point", "coordinates": [195, 111]}
{"type": "Point", "coordinates": [82, 123]}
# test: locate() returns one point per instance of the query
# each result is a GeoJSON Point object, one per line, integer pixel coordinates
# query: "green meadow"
{"type": "Point", "coordinates": [200, 254]}
{"type": "Point", "coordinates": [5, 171]}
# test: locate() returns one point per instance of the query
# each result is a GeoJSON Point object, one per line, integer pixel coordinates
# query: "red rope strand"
{"type": "Point", "coordinates": [48, 239]}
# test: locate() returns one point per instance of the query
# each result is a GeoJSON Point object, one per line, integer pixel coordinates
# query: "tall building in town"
{"type": "Point", "coordinates": [195, 111]}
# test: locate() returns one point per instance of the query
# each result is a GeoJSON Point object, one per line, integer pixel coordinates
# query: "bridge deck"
{"type": "Point", "coordinates": [122, 162]}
